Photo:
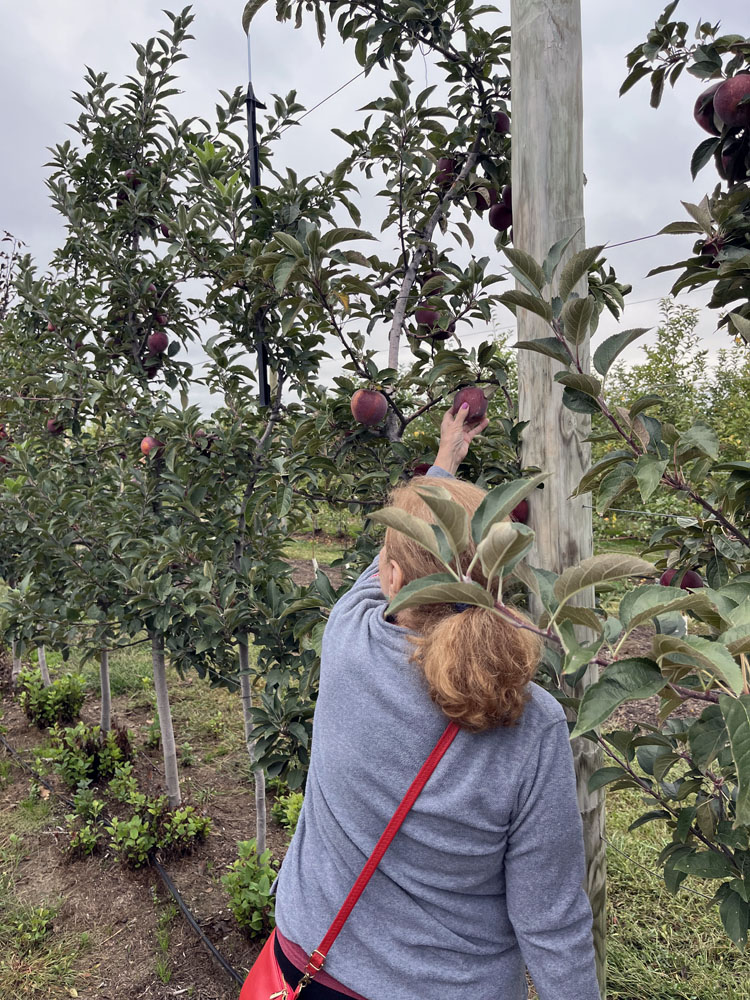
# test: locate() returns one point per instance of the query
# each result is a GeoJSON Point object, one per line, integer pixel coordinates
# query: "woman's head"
{"type": "Point", "coordinates": [477, 665]}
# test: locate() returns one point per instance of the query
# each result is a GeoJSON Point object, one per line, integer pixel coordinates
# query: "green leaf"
{"type": "Point", "coordinates": [735, 916]}
{"type": "Point", "coordinates": [644, 603]}
{"type": "Point", "coordinates": [606, 775]}
{"type": "Point", "coordinates": [707, 737]}
{"type": "Point", "coordinates": [616, 483]}
{"type": "Point", "coordinates": [503, 543]}
{"type": "Point", "coordinates": [680, 229]}
{"type": "Point", "coordinates": [251, 9]}
{"type": "Point", "coordinates": [283, 272]}
{"type": "Point", "coordinates": [577, 268]}
{"type": "Point", "coordinates": [550, 346]}
{"type": "Point", "coordinates": [648, 472]}
{"type": "Point", "coordinates": [607, 351]}
{"type": "Point", "coordinates": [579, 402]}
{"type": "Point", "coordinates": [700, 437]}
{"type": "Point", "coordinates": [440, 588]}
{"type": "Point", "coordinates": [596, 472]}
{"type": "Point", "coordinates": [499, 503]}
{"type": "Point", "coordinates": [702, 215]}
{"type": "Point", "coordinates": [586, 384]}
{"type": "Point", "coordinates": [450, 516]}
{"type": "Point", "coordinates": [643, 403]}
{"type": "Point", "coordinates": [335, 236]}
{"type": "Point", "coordinates": [292, 245]}
{"type": "Point", "coordinates": [704, 864]}
{"type": "Point", "coordinates": [576, 318]}
{"type": "Point", "coordinates": [526, 264]}
{"type": "Point", "coordinates": [742, 326]}
{"type": "Point", "coordinates": [516, 298]}
{"type": "Point", "coordinates": [413, 527]}
{"type": "Point", "coordinates": [736, 712]}
{"type": "Point", "coordinates": [586, 617]}
{"type": "Point", "coordinates": [624, 680]}
{"type": "Point", "coordinates": [702, 154]}
{"type": "Point", "coordinates": [553, 258]}
{"type": "Point", "coordinates": [711, 657]}
{"type": "Point", "coordinates": [600, 569]}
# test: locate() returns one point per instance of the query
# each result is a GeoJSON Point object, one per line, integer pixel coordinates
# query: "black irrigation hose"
{"type": "Point", "coordinates": [155, 863]}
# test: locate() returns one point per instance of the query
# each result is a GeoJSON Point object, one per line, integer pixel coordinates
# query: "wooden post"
{"type": "Point", "coordinates": [41, 653]}
{"type": "Point", "coordinates": [547, 183]}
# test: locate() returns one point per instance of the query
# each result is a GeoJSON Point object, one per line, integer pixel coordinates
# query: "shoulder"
{"type": "Point", "coordinates": [542, 710]}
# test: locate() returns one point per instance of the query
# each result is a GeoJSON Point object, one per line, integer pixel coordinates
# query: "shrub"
{"type": "Point", "coordinates": [132, 839]}
{"type": "Point", "coordinates": [84, 754]}
{"type": "Point", "coordinates": [85, 836]}
{"type": "Point", "coordinates": [182, 829]}
{"type": "Point", "coordinates": [29, 926]}
{"type": "Point", "coordinates": [153, 826]}
{"type": "Point", "coordinates": [286, 810]}
{"type": "Point", "coordinates": [48, 706]}
{"type": "Point", "coordinates": [248, 883]}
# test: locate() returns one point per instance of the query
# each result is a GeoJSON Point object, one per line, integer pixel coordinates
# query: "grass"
{"type": "Point", "coordinates": [660, 946]}
{"type": "Point", "coordinates": [129, 669]}
{"type": "Point", "coordinates": [313, 548]}
{"type": "Point", "coordinates": [35, 962]}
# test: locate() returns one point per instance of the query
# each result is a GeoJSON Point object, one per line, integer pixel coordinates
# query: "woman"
{"type": "Point", "coordinates": [484, 878]}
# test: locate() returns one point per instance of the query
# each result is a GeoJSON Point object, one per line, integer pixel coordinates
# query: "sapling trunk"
{"type": "Point", "coordinates": [15, 669]}
{"type": "Point", "coordinates": [259, 776]}
{"type": "Point", "coordinates": [41, 653]}
{"type": "Point", "coordinates": [106, 714]}
{"type": "Point", "coordinates": [169, 749]}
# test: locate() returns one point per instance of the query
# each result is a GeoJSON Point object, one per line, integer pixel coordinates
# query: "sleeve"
{"type": "Point", "coordinates": [544, 872]}
{"type": "Point", "coordinates": [439, 472]}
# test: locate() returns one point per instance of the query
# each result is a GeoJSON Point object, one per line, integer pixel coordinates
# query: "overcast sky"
{"type": "Point", "coordinates": [636, 159]}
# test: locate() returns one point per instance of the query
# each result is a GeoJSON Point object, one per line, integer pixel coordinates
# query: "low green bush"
{"type": "Point", "coordinates": [152, 826]}
{"type": "Point", "coordinates": [85, 754]}
{"type": "Point", "coordinates": [54, 705]}
{"type": "Point", "coordinates": [286, 810]}
{"type": "Point", "coordinates": [248, 883]}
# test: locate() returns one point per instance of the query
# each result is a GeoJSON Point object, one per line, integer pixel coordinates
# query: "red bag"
{"type": "Point", "coordinates": [265, 981]}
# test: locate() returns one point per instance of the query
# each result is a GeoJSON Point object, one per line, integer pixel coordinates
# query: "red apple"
{"type": "Point", "coordinates": [520, 512]}
{"type": "Point", "coordinates": [446, 171]}
{"type": "Point", "coordinates": [501, 122]}
{"type": "Point", "coordinates": [500, 217]}
{"type": "Point", "coordinates": [369, 407]}
{"type": "Point", "coordinates": [427, 317]}
{"type": "Point", "coordinates": [54, 426]}
{"type": "Point", "coordinates": [421, 469]}
{"type": "Point", "coordinates": [157, 342]}
{"type": "Point", "coordinates": [704, 109]}
{"type": "Point", "coordinates": [507, 196]}
{"type": "Point", "coordinates": [151, 289]}
{"type": "Point", "coordinates": [690, 579]}
{"type": "Point", "coordinates": [161, 318]}
{"type": "Point", "coordinates": [727, 101]}
{"type": "Point", "coordinates": [164, 230]}
{"type": "Point", "coordinates": [481, 201]}
{"type": "Point", "coordinates": [51, 328]}
{"type": "Point", "coordinates": [477, 401]}
{"type": "Point", "coordinates": [149, 444]}
{"type": "Point", "coordinates": [131, 177]}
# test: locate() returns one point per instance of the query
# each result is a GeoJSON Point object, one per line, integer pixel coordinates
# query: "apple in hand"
{"type": "Point", "coordinates": [477, 401]}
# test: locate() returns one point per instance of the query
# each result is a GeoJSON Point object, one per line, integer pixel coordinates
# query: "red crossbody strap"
{"type": "Point", "coordinates": [317, 958]}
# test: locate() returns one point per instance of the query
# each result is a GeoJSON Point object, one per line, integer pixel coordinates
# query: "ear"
{"type": "Point", "coordinates": [395, 578]}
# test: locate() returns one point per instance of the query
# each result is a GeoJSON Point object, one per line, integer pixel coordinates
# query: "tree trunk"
{"type": "Point", "coordinates": [547, 184]}
{"type": "Point", "coordinates": [169, 750]}
{"type": "Point", "coordinates": [41, 653]}
{"type": "Point", "coordinates": [106, 713]}
{"type": "Point", "coordinates": [15, 669]}
{"type": "Point", "coordinates": [258, 774]}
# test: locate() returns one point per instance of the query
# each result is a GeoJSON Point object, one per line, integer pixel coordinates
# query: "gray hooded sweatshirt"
{"type": "Point", "coordinates": [485, 876]}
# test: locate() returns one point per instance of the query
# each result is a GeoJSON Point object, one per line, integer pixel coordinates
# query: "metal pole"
{"type": "Point", "coordinates": [264, 391]}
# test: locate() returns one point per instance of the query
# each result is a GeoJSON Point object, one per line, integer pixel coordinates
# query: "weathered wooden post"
{"type": "Point", "coordinates": [547, 182]}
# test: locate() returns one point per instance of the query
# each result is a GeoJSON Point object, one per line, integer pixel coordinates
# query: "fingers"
{"type": "Point", "coordinates": [472, 432]}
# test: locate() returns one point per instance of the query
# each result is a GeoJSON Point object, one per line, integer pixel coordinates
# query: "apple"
{"type": "Point", "coordinates": [131, 177]}
{"type": "Point", "coordinates": [122, 196]}
{"type": "Point", "coordinates": [149, 444]}
{"type": "Point", "coordinates": [54, 426]}
{"type": "Point", "coordinates": [151, 289]}
{"type": "Point", "coordinates": [51, 328]}
{"type": "Point", "coordinates": [727, 101]}
{"type": "Point", "coordinates": [507, 196]}
{"type": "Point", "coordinates": [164, 230]}
{"type": "Point", "coordinates": [520, 512]}
{"type": "Point", "coordinates": [161, 318]}
{"type": "Point", "coordinates": [704, 112]}
{"type": "Point", "coordinates": [501, 122]}
{"type": "Point", "coordinates": [446, 171]}
{"type": "Point", "coordinates": [690, 579]}
{"type": "Point", "coordinates": [421, 469]}
{"type": "Point", "coordinates": [369, 406]}
{"type": "Point", "coordinates": [157, 342]}
{"type": "Point", "coordinates": [427, 317]}
{"type": "Point", "coordinates": [481, 201]}
{"type": "Point", "coordinates": [500, 217]}
{"type": "Point", "coordinates": [477, 401]}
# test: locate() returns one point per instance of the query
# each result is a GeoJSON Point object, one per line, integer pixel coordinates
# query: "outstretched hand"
{"type": "Point", "coordinates": [455, 438]}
